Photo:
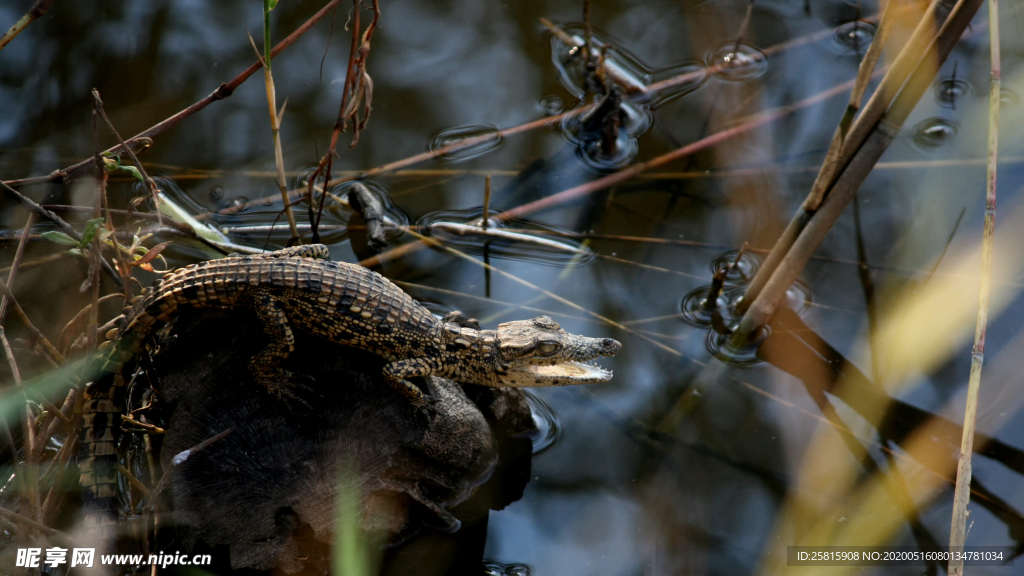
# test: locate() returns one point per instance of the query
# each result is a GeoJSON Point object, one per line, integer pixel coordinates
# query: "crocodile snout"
{"type": "Point", "coordinates": [610, 347]}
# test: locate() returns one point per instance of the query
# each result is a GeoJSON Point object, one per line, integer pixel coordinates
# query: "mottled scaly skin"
{"type": "Point", "coordinates": [299, 289]}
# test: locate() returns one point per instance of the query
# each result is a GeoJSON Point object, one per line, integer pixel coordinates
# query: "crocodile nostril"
{"type": "Point", "coordinates": [610, 346]}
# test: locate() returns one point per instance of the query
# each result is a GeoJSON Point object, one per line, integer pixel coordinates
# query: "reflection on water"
{"type": "Point", "coordinates": [682, 464]}
{"type": "Point", "coordinates": [452, 136]}
{"type": "Point", "coordinates": [515, 239]}
{"type": "Point", "coordinates": [492, 568]}
{"type": "Point", "coordinates": [547, 424]}
{"type": "Point", "coordinates": [949, 92]}
{"type": "Point", "coordinates": [854, 37]}
{"type": "Point", "coordinates": [737, 61]}
{"type": "Point", "coordinates": [934, 132]}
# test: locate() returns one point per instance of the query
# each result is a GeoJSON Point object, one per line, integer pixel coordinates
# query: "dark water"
{"type": "Point", "coordinates": [682, 464]}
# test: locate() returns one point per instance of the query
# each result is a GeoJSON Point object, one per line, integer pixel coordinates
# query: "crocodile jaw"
{"type": "Point", "coordinates": [562, 374]}
{"type": "Point", "coordinates": [576, 372]}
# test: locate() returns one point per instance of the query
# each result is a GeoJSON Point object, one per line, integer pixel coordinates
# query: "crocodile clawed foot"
{"type": "Point", "coordinates": [289, 389]}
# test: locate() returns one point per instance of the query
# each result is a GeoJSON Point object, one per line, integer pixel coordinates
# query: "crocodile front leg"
{"type": "Point", "coordinates": [264, 365]}
{"type": "Point", "coordinates": [397, 373]}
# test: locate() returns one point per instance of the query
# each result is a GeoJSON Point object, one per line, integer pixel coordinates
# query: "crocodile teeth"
{"type": "Point", "coordinates": [574, 372]}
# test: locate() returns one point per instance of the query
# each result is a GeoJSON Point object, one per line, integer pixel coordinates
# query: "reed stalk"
{"type": "Point", "coordinates": [962, 492]}
{"type": "Point", "coordinates": [762, 304]}
{"type": "Point", "coordinates": [275, 117]}
{"type": "Point", "coordinates": [850, 134]}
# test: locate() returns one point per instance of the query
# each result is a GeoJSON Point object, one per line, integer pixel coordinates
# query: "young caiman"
{"type": "Point", "coordinates": [298, 288]}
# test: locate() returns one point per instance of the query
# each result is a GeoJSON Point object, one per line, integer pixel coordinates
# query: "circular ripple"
{"type": "Point", "coordinates": [693, 310]}
{"type": "Point", "coordinates": [737, 64]}
{"type": "Point", "coordinates": [240, 202]}
{"type": "Point", "coordinates": [721, 347]}
{"type": "Point", "coordinates": [492, 568]}
{"type": "Point", "coordinates": [742, 272]}
{"type": "Point", "coordinates": [551, 105]}
{"type": "Point", "coordinates": [592, 153]}
{"type": "Point", "coordinates": [1008, 97]}
{"type": "Point", "coordinates": [854, 37]}
{"type": "Point", "coordinates": [949, 92]}
{"type": "Point", "coordinates": [798, 297]}
{"type": "Point", "coordinates": [934, 132]}
{"type": "Point", "coordinates": [548, 428]}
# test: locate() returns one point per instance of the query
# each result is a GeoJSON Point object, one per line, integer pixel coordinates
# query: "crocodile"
{"type": "Point", "coordinates": [300, 288]}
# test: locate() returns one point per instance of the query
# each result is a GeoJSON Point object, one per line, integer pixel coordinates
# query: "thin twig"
{"type": "Point", "coordinates": [958, 528]}
{"type": "Point", "coordinates": [149, 428]}
{"type": "Point", "coordinates": [54, 356]}
{"type": "Point", "coordinates": [33, 14]}
{"type": "Point", "coordinates": [98, 108]}
{"type": "Point", "coordinates": [19, 519]}
{"type": "Point", "coordinates": [132, 479]}
{"type": "Point", "coordinates": [13, 274]}
{"type": "Point", "coordinates": [487, 202]}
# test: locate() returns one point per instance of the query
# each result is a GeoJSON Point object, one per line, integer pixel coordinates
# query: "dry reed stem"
{"type": "Point", "coordinates": [142, 426]}
{"type": "Point", "coordinates": [33, 14]}
{"type": "Point", "coordinates": [806, 239]}
{"type": "Point", "coordinates": [132, 479]}
{"type": "Point", "coordinates": [846, 142]}
{"type": "Point", "coordinates": [962, 495]}
{"type": "Point", "coordinates": [839, 143]}
{"type": "Point", "coordinates": [358, 88]}
{"type": "Point", "coordinates": [275, 117]}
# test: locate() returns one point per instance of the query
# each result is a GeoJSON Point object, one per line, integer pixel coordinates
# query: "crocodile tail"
{"type": "Point", "coordinates": [104, 401]}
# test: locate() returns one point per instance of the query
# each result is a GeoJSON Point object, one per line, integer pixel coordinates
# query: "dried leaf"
{"type": "Point", "coordinates": [149, 256]}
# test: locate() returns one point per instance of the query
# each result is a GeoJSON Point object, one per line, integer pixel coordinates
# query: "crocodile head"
{"type": "Point", "coordinates": [539, 353]}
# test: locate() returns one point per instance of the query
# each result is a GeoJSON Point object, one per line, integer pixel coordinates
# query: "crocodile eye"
{"type": "Point", "coordinates": [548, 347]}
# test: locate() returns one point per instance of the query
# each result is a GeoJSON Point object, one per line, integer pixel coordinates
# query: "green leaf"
{"type": "Point", "coordinates": [269, 4]}
{"type": "Point", "coordinates": [90, 231]}
{"type": "Point", "coordinates": [59, 238]}
{"type": "Point", "coordinates": [133, 171]}
{"type": "Point", "coordinates": [76, 252]}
